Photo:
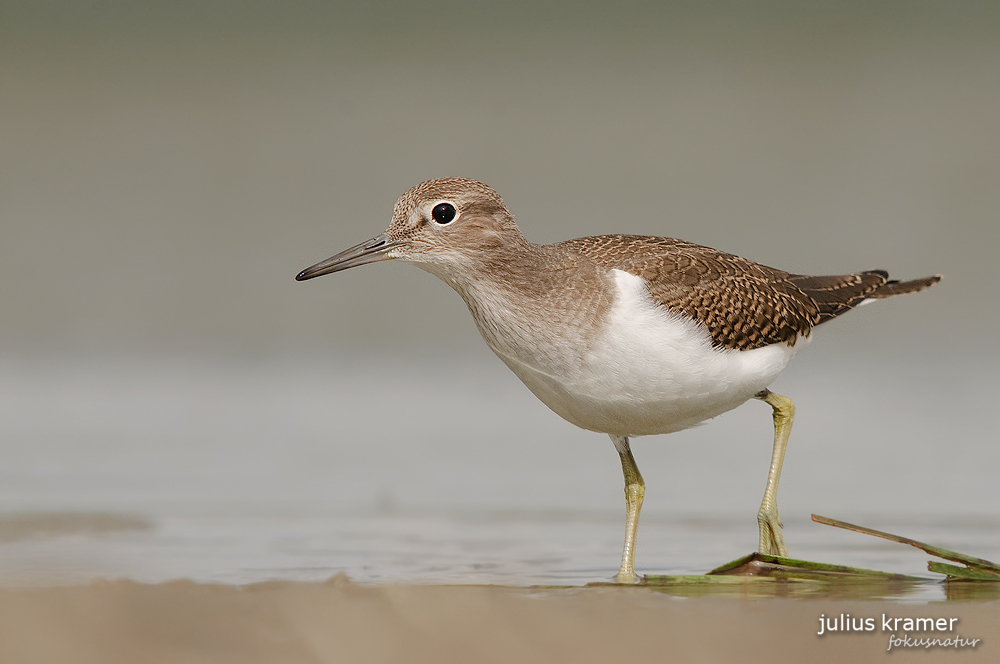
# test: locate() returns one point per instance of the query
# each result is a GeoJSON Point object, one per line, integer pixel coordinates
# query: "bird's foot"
{"type": "Point", "coordinates": [626, 577]}
{"type": "Point", "coordinates": [772, 540]}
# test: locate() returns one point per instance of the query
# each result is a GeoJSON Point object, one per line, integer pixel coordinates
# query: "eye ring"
{"type": "Point", "coordinates": [443, 213]}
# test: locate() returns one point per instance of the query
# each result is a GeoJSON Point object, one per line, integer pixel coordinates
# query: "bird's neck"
{"type": "Point", "coordinates": [531, 300]}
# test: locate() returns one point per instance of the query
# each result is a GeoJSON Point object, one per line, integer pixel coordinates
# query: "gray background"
{"type": "Point", "coordinates": [166, 168]}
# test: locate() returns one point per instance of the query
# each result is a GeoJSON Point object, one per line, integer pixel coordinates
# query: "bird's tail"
{"type": "Point", "coordinates": [896, 287]}
{"type": "Point", "coordinates": [834, 295]}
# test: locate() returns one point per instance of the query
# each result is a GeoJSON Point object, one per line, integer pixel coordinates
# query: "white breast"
{"type": "Point", "coordinates": [648, 371]}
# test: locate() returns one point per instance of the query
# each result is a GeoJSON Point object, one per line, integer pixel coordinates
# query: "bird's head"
{"type": "Point", "coordinates": [445, 226]}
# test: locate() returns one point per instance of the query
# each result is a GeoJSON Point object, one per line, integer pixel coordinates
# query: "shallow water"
{"type": "Point", "coordinates": [453, 473]}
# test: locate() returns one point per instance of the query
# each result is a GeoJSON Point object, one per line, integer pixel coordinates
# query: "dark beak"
{"type": "Point", "coordinates": [369, 251]}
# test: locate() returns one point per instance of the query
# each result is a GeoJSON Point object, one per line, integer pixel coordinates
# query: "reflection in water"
{"type": "Point", "coordinates": [971, 590]}
{"type": "Point", "coordinates": [912, 590]}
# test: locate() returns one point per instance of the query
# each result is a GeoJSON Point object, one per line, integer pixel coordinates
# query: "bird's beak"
{"type": "Point", "coordinates": [369, 251]}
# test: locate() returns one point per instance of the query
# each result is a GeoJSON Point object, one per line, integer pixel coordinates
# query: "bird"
{"type": "Point", "coordinates": [626, 335]}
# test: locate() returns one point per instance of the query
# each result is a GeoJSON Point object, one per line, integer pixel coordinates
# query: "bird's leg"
{"type": "Point", "coordinates": [635, 488]}
{"type": "Point", "coordinates": [772, 541]}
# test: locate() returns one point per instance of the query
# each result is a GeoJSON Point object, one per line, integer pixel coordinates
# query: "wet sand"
{"type": "Point", "coordinates": [341, 621]}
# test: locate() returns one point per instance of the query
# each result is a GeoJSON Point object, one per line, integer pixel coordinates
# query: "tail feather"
{"type": "Point", "coordinates": [837, 294]}
{"type": "Point", "coordinates": [890, 288]}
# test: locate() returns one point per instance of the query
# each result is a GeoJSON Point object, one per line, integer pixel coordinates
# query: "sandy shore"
{"type": "Point", "coordinates": [340, 621]}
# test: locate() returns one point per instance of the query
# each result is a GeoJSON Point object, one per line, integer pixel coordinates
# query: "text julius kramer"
{"type": "Point", "coordinates": [847, 623]}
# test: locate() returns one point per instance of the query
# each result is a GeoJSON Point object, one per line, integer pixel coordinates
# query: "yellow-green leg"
{"type": "Point", "coordinates": [635, 488]}
{"type": "Point", "coordinates": [772, 541]}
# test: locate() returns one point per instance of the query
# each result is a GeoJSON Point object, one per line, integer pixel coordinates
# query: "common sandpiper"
{"type": "Point", "coordinates": [627, 335]}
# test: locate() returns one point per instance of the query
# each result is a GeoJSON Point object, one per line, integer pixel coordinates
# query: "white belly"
{"type": "Point", "coordinates": [650, 371]}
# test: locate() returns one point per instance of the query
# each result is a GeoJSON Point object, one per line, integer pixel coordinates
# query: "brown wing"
{"type": "Point", "coordinates": [742, 304]}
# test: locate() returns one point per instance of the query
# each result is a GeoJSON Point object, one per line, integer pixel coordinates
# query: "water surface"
{"type": "Point", "coordinates": [453, 473]}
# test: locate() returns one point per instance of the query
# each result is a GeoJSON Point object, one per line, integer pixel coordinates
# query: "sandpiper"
{"type": "Point", "coordinates": [626, 335]}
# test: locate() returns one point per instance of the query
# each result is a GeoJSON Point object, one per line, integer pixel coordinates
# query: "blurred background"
{"type": "Point", "coordinates": [173, 403]}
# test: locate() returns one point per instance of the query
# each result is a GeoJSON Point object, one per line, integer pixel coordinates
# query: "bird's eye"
{"type": "Point", "coordinates": [443, 213]}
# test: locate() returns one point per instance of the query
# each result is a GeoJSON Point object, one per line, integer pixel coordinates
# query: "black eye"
{"type": "Point", "coordinates": [443, 213]}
